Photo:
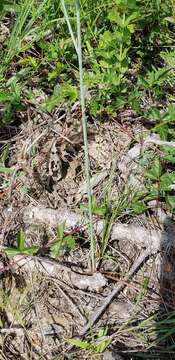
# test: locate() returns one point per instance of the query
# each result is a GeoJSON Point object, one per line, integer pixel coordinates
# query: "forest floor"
{"type": "Point", "coordinates": [62, 297]}
{"type": "Point", "coordinates": [46, 299]}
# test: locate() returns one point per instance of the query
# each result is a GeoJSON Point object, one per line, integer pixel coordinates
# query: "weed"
{"type": "Point", "coordinates": [164, 122]}
{"type": "Point", "coordinates": [160, 183]}
{"type": "Point", "coordinates": [96, 209]}
{"type": "Point", "coordinates": [63, 242]}
{"type": "Point", "coordinates": [95, 346]}
{"type": "Point", "coordinates": [21, 248]}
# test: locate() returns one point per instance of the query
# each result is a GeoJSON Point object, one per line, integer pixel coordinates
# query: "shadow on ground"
{"type": "Point", "coordinates": [164, 345]}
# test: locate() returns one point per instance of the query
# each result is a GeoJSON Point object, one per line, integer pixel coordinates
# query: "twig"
{"type": "Point", "coordinates": [160, 142]}
{"type": "Point", "coordinates": [16, 329]}
{"type": "Point", "coordinates": [36, 140]}
{"type": "Point", "coordinates": [98, 313]}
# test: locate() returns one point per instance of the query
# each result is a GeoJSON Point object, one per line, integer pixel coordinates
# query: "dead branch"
{"type": "Point", "coordinates": [98, 313]}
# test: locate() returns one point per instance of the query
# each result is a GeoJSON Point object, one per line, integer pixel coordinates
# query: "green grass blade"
{"type": "Point", "coordinates": [16, 35]}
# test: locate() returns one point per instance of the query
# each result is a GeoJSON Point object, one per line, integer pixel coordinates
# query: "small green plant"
{"type": "Point", "coordinates": [27, 16]}
{"type": "Point", "coordinates": [164, 122]}
{"type": "Point", "coordinates": [10, 97]}
{"type": "Point", "coordinates": [110, 60]}
{"type": "Point", "coordinates": [7, 6]}
{"type": "Point", "coordinates": [97, 345]}
{"type": "Point", "coordinates": [160, 183]}
{"type": "Point", "coordinates": [61, 93]}
{"type": "Point", "coordinates": [169, 58]}
{"type": "Point", "coordinates": [137, 205]}
{"type": "Point", "coordinates": [99, 210]}
{"type": "Point", "coordinates": [21, 248]}
{"type": "Point", "coordinates": [154, 80]}
{"type": "Point", "coordinates": [156, 330]}
{"type": "Point", "coordinates": [63, 242]}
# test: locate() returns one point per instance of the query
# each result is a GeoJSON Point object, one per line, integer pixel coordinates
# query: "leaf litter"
{"type": "Point", "coordinates": [50, 299]}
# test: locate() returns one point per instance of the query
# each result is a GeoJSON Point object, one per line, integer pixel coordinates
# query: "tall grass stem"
{"type": "Point", "coordinates": [85, 137]}
{"type": "Point", "coordinates": [69, 25]}
{"type": "Point", "coordinates": [78, 48]}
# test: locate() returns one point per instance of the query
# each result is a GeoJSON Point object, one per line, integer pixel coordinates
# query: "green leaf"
{"type": "Point", "coordinates": [94, 201]}
{"type": "Point", "coordinates": [169, 158]}
{"type": "Point", "coordinates": [94, 106]}
{"type": "Point", "coordinates": [152, 194]}
{"type": "Point", "coordinates": [135, 103]}
{"type": "Point", "coordinates": [122, 55]}
{"type": "Point", "coordinates": [70, 241]}
{"type": "Point", "coordinates": [120, 102]}
{"type": "Point", "coordinates": [101, 211]}
{"type": "Point", "coordinates": [4, 96]}
{"type": "Point", "coordinates": [171, 202]}
{"type": "Point", "coordinates": [31, 250]}
{"type": "Point", "coordinates": [10, 251]}
{"type": "Point", "coordinates": [162, 129]}
{"type": "Point", "coordinates": [6, 170]}
{"type": "Point", "coordinates": [105, 39]}
{"type": "Point", "coordinates": [169, 57]}
{"type": "Point", "coordinates": [169, 154]}
{"type": "Point", "coordinates": [166, 180]}
{"type": "Point", "coordinates": [102, 332]}
{"type": "Point", "coordinates": [143, 82]}
{"type": "Point", "coordinates": [60, 230]}
{"type": "Point", "coordinates": [21, 239]}
{"type": "Point", "coordinates": [138, 207]}
{"type": "Point", "coordinates": [155, 114]}
{"type": "Point", "coordinates": [60, 94]}
{"type": "Point", "coordinates": [131, 28]}
{"type": "Point", "coordinates": [56, 248]}
{"type": "Point", "coordinates": [97, 210]}
{"type": "Point", "coordinates": [170, 115]}
{"type": "Point", "coordinates": [84, 207]}
{"type": "Point", "coordinates": [102, 345]}
{"type": "Point", "coordinates": [82, 344]}
{"type": "Point", "coordinates": [59, 247]}
{"type": "Point", "coordinates": [170, 19]}
{"type": "Point", "coordinates": [114, 16]}
{"type": "Point", "coordinates": [30, 60]}
{"type": "Point", "coordinates": [155, 171]}
{"type": "Point", "coordinates": [134, 16]}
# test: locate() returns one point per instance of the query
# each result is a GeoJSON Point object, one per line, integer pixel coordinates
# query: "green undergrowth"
{"type": "Point", "coordinates": [128, 54]}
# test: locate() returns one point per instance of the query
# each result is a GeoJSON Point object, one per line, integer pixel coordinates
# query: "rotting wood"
{"type": "Point", "coordinates": [152, 239]}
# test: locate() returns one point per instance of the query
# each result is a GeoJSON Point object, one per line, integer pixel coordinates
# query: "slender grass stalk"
{"type": "Point", "coordinates": [69, 25]}
{"type": "Point", "coordinates": [78, 48]}
{"type": "Point", "coordinates": [84, 125]}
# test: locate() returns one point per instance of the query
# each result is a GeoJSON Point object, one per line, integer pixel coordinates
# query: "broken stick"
{"type": "Point", "coordinates": [134, 268]}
